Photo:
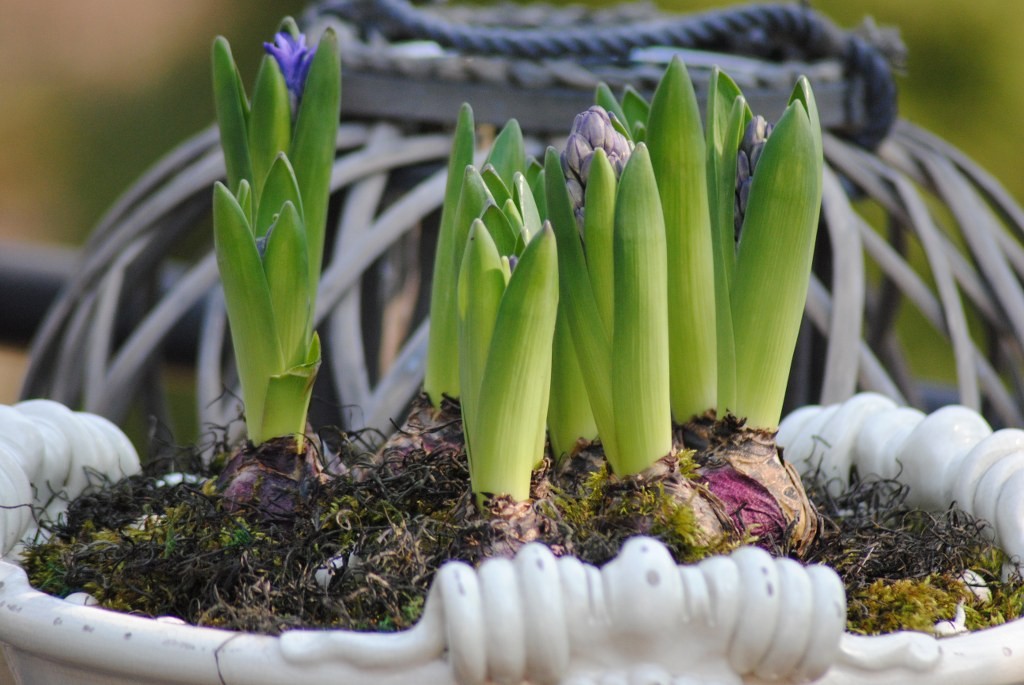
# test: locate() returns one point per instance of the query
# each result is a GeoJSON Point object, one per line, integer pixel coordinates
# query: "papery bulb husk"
{"type": "Point", "coordinates": [585, 458]}
{"type": "Point", "coordinates": [493, 525]}
{"type": "Point", "coordinates": [742, 488]}
{"type": "Point", "coordinates": [426, 430]}
{"type": "Point", "coordinates": [761, 492]}
{"type": "Point", "coordinates": [512, 524]}
{"type": "Point", "coordinates": [272, 480]}
{"type": "Point", "coordinates": [713, 517]}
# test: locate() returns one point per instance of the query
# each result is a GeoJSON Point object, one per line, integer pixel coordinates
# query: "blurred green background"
{"type": "Point", "coordinates": [92, 93]}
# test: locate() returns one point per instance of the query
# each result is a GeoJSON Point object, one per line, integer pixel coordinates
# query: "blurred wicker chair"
{"type": "Point", "coordinates": [129, 310]}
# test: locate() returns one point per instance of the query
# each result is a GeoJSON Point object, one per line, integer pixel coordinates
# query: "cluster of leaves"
{"type": "Point", "coordinates": [655, 312]}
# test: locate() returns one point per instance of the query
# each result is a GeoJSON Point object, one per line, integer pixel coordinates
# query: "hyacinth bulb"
{"type": "Point", "coordinates": [749, 504]}
{"type": "Point", "coordinates": [271, 479]}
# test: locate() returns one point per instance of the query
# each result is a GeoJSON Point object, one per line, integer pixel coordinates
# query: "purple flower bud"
{"type": "Point", "coordinates": [743, 194]}
{"type": "Point", "coordinates": [594, 125]}
{"type": "Point", "coordinates": [742, 167]}
{"type": "Point", "coordinates": [575, 189]}
{"type": "Point", "coordinates": [618, 162]}
{"type": "Point", "coordinates": [751, 147]}
{"type": "Point", "coordinates": [585, 168]}
{"type": "Point", "coordinates": [591, 130]}
{"type": "Point", "coordinates": [577, 149]}
{"type": "Point", "coordinates": [755, 154]}
{"type": "Point", "coordinates": [293, 57]}
{"type": "Point", "coordinates": [576, 196]}
{"type": "Point", "coordinates": [757, 131]}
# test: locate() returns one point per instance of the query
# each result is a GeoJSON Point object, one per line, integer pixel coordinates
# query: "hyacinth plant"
{"type": "Point", "coordinates": [269, 222]}
{"type": "Point", "coordinates": [683, 263]}
{"type": "Point", "coordinates": [710, 331]}
{"type": "Point", "coordinates": [493, 309]}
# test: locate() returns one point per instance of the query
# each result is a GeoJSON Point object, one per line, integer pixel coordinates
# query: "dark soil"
{"type": "Point", "coordinates": [384, 527]}
{"type": "Point", "coordinates": [903, 567]}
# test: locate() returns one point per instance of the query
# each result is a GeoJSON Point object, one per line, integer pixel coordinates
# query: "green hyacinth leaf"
{"type": "Point", "coordinates": [288, 25]}
{"type": "Point", "coordinates": [244, 199]}
{"type": "Point", "coordinates": [312, 147]}
{"type": "Point", "coordinates": [678, 156]}
{"type": "Point", "coordinates": [598, 229]}
{"type": "Point", "coordinates": [619, 126]}
{"type": "Point", "coordinates": [232, 108]}
{"type": "Point", "coordinates": [499, 190]}
{"type": "Point", "coordinates": [270, 121]}
{"type": "Point", "coordinates": [288, 397]}
{"type": "Point", "coordinates": [604, 97]}
{"type": "Point", "coordinates": [287, 270]}
{"type": "Point", "coordinates": [636, 110]}
{"type": "Point", "coordinates": [639, 133]}
{"type": "Point", "coordinates": [803, 94]}
{"type": "Point", "coordinates": [773, 265]}
{"type": "Point", "coordinates": [727, 118]}
{"type": "Point", "coordinates": [725, 264]}
{"type": "Point", "coordinates": [515, 389]}
{"type": "Point", "coordinates": [511, 212]}
{"type": "Point", "coordinates": [570, 420]}
{"type": "Point", "coordinates": [281, 186]}
{"type": "Point", "coordinates": [535, 182]}
{"type": "Point", "coordinates": [515, 220]}
{"type": "Point", "coordinates": [473, 200]}
{"type": "Point", "coordinates": [501, 229]}
{"type": "Point", "coordinates": [507, 154]}
{"type": "Point", "coordinates": [640, 379]}
{"type": "Point", "coordinates": [481, 285]}
{"type": "Point", "coordinates": [525, 197]}
{"type": "Point", "coordinates": [248, 303]}
{"type": "Point", "coordinates": [592, 343]}
{"type": "Point", "coordinates": [506, 269]}
{"type": "Point", "coordinates": [440, 377]}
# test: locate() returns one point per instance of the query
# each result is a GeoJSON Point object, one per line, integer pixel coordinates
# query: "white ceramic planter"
{"type": "Point", "coordinates": [640, 620]}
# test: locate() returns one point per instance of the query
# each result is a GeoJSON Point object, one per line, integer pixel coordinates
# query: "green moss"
{"type": "Point", "coordinates": [888, 606]}
{"type": "Point", "coordinates": [1007, 605]}
{"type": "Point", "coordinates": [175, 551]}
{"type": "Point", "coordinates": [603, 511]}
{"type": "Point", "coordinates": [902, 567]}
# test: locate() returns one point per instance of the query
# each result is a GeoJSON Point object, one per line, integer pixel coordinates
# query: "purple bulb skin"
{"type": "Point", "coordinates": [748, 503]}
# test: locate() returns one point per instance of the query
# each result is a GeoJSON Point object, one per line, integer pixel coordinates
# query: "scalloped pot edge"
{"type": "Point", "coordinates": [742, 618]}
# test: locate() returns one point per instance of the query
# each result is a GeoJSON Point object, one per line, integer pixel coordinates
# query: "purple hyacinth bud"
{"type": "Point", "coordinates": [575, 189]}
{"type": "Point", "coordinates": [577, 149]}
{"type": "Point", "coordinates": [751, 147]}
{"type": "Point", "coordinates": [591, 130]}
{"type": "Point", "coordinates": [593, 125]}
{"type": "Point", "coordinates": [294, 58]}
